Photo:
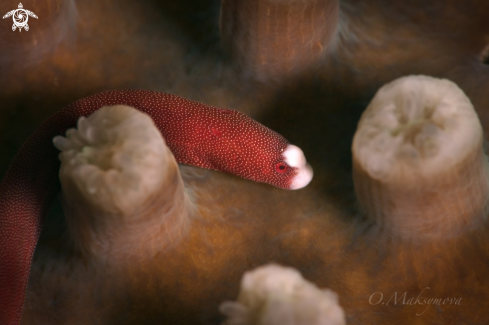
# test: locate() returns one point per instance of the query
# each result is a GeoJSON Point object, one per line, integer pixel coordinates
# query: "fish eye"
{"type": "Point", "coordinates": [281, 167]}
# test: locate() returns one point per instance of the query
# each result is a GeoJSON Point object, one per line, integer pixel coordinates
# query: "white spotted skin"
{"type": "Point", "coordinates": [197, 134]}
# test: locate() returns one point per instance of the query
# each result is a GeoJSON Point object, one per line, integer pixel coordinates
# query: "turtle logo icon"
{"type": "Point", "coordinates": [20, 16]}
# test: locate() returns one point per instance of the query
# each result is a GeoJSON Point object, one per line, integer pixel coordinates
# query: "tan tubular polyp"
{"type": "Point", "coordinates": [270, 39]}
{"type": "Point", "coordinates": [122, 191]}
{"type": "Point", "coordinates": [277, 295]}
{"type": "Point", "coordinates": [430, 177]}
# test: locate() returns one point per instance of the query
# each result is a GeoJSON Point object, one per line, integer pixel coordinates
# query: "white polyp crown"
{"type": "Point", "coordinates": [416, 125]}
{"type": "Point", "coordinates": [115, 158]}
{"type": "Point", "coordinates": [294, 157]}
{"type": "Point", "coordinates": [277, 295]}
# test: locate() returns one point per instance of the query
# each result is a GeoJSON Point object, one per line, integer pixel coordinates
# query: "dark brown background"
{"type": "Point", "coordinates": [78, 48]}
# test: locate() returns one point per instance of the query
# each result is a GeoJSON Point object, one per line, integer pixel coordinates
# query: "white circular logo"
{"type": "Point", "coordinates": [20, 17]}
